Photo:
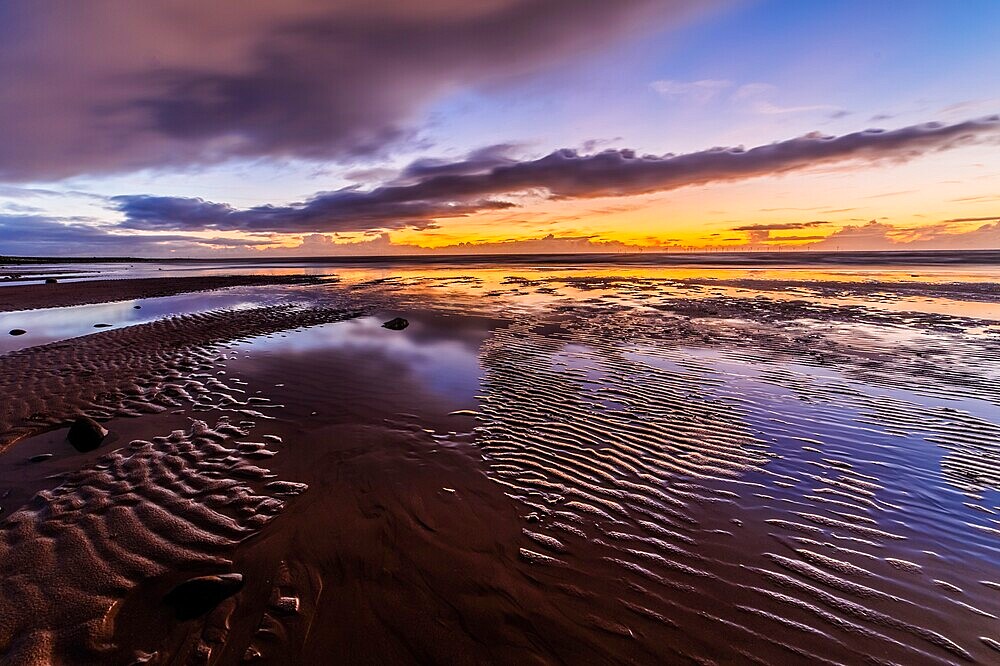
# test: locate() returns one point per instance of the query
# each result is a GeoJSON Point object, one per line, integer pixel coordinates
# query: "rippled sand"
{"type": "Point", "coordinates": [547, 466]}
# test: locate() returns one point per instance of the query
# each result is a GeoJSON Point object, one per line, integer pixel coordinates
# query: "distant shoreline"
{"type": "Point", "coordinates": [796, 258]}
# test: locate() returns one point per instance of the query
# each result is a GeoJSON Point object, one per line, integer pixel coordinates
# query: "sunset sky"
{"type": "Point", "coordinates": [241, 128]}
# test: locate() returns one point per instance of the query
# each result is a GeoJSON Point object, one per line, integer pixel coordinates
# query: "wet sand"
{"type": "Point", "coordinates": [540, 468]}
{"type": "Point", "coordinates": [61, 294]}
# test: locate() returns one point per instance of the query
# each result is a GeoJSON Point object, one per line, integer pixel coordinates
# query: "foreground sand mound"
{"type": "Point", "coordinates": [171, 504]}
{"type": "Point", "coordinates": [133, 370]}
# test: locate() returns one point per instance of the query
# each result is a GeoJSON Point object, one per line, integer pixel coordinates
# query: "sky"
{"type": "Point", "coordinates": [368, 127]}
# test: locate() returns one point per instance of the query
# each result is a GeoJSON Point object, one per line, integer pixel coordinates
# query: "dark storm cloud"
{"type": "Point", "coordinates": [428, 191]}
{"type": "Point", "coordinates": [108, 86]}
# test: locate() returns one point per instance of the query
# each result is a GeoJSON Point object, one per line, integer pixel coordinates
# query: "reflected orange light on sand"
{"type": "Point", "coordinates": [469, 284]}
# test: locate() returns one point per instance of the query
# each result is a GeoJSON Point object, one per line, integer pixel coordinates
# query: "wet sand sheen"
{"type": "Point", "coordinates": [26, 297]}
{"type": "Point", "coordinates": [595, 471]}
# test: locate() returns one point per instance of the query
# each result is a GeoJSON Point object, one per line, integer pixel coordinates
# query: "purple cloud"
{"type": "Point", "coordinates": [343, 210]}
{"type": "Point", "coordinates": [41, 235]}
{"type": "Point", "coordinates": [881, 236]}
{"type": "Point", "coordinates": [107, 86]}
{"type": "Point", "coordinates": [429, 191]}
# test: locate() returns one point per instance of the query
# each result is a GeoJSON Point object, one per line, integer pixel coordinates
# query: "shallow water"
{"type": "Point", "coordinates": [51, 324]}
{"type": "Point", "coordinates": [546, 465]}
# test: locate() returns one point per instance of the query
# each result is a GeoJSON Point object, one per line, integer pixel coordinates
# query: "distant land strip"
{"type": "Point", "coordinates": [789, 257]}
{"type": "Point", "coordinates": [35, 296]}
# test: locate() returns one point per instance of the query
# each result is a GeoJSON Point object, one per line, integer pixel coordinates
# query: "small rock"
{"type": "Point", "coordinates": [142, 657]}
{"type": "Point", "coordinates": [286, 605]}
{"type": "Point", "coordinates": [86, 434]}
{"type": "Point", "coordinates": [17, 331]}
{"type": "Point", "coordinates": [397, 324]}
{"type": "Point", "coordinates": [40, 457]}
{"type": "Point", "coordinates": [286, 488]}
{"type": "Point", "coordinates": [101, 325]}
{"type": "Point", "coordinates": [51, 280]}
{"type": "Point", "coordinates": [199, 595]}
{"type": "Point", "coordinates": [136, 307]}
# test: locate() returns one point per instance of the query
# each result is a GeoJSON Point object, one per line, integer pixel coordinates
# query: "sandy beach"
{"type": "Point", "coordinates": [30, 296]}
{"type": "Point", "coordinates": [546, 465]}
{"type": "Point", "coordinates": [562, 332]}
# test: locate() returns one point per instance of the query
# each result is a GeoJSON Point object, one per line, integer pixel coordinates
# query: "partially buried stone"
{"type": "Point", "coordinates": [40, 457]}
{"type": "Point", "coordinates": [51, 280]}
{"type": "Point", "coordinates": [101, 325]}
{"type": "Point", "coordinates": [86, 434]}
{"type": "Point", "coordinates": [397, 324]}
{"type": "Point", "coordinates": [199, 595]}
{"type": "Point", "coordinates": [17, 331]}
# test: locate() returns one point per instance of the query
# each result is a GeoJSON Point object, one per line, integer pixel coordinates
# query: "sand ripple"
{"type": "Point", "coordinates": [134, 370]}
{"type": "Point", "coordinates": [713, 477]}
{"type": "Point", "coordinates": [173, 503]}
{"type": "Point", "coordinates": [703, 456]}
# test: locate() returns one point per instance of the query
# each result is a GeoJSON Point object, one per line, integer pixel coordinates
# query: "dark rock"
{"type": "Point", "coordinates": [51, 280]}
{"type": "Point", "coordinates": [136, 307]}
{"type": "Point", "coordinates": [397, 324]}
{"type": "Point", "coordinates": [40, 457]}
{"type": "Point", "coordinates": [86, 434]}
{"type": "Point", "coordinates": [101, 325]}
{"type": "Point", "coordinates": [17, 331]}
{"type": "Point", "coordinates": [285, 605]}
{"type": "Point", "coordinates": [199, 595]}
